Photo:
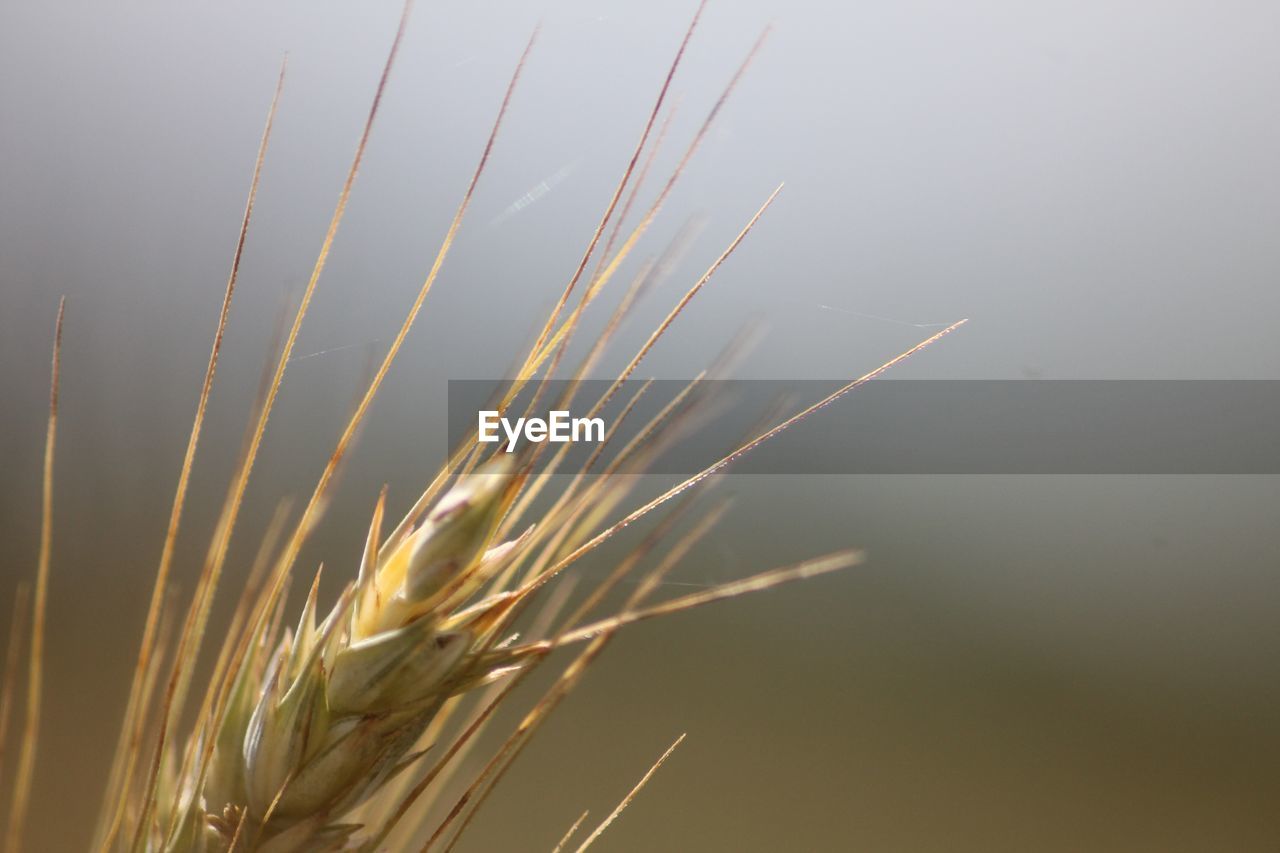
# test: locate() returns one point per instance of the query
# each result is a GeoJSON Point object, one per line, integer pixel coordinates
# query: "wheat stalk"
{"type": "Point", "coordinates": [316, 736]}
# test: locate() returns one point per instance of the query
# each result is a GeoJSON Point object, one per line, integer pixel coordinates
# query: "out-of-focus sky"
{"type": "Point", "coordinates": [1025, 663]}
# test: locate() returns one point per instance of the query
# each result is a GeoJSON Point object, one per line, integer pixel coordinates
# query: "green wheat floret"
{"type": "Point", "coordinates": [341, 702]}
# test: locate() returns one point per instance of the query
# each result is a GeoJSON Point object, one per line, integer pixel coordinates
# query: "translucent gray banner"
{"type": "Point", "coordinates": [896, 426]}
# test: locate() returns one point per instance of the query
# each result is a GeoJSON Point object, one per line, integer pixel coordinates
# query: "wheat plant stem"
{"type": "Point", "coordinates": [619, 189]}
{"type": "Point", "coordinates": [639, 230]}
{"type": "Point", "coordinates": [631, 795]}
{"type": "Point", "coordinates": [35, 673]}
{"type": "Point", "coordinates": [564, 839]}
{"type": "Point", "coordinates": [13, 656]}
{"type": "Point", "coordinates": [727, 460]}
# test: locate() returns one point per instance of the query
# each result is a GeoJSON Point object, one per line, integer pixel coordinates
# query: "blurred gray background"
{"type": "Point", "coordinates": [1026, 663]}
